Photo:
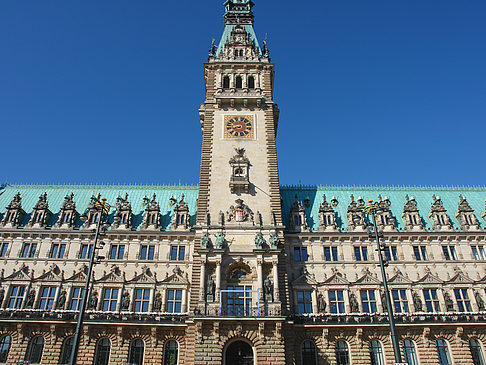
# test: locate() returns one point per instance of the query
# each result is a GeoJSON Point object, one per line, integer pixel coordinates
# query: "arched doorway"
{"type": "Point", "coordinates": [239, 353]}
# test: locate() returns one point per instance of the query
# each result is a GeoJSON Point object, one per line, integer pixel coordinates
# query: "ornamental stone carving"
{"type": "Point", "coordinates": [355, 216]}
{"type": "Point", "coordinates": [68, 214]}
{"type": "Point", "coordinates": [151, 218]}
{"type": "Point", "coordinates": [123, 216]}
{"type": "Point", "coordinates": [180, 219]}
{"type": "Point", "coordinates": [438, 215]}
{"type": "Point", "coordinates": [14, 214]}
{"type": "Point", "coordinates": [327, 218]}
{"type": "Point", "coordinates": [240, 166]}
{"type": "Point", "coordinates": [41, 213]}
{"type": "Point", "coordinates": [298, 219]}
{"type": "Point", "coordinates": [465, 215]}
{"type": "Point", "coordinates": [240, 213]}
{"type": "Point", "coordinates": [411, 215]}
{"type": "Point", "coordinates": [384, 218]}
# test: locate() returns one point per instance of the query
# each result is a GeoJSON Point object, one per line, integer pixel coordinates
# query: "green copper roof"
{"type": "Point", "coordinates": [313, 196]}
{"type": "Point", "coordinates": [83, 193]}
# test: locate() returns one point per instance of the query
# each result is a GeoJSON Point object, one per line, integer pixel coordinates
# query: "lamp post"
{"type": "Point", "coordinates": [103, 207]}
{"type": "Point", "coordinates": [371, 209]}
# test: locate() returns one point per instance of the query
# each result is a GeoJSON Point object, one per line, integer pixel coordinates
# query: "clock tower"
{"type": "Point", "coordinates": [238, 258]}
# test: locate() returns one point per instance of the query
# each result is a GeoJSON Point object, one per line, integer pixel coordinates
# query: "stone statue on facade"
{"type": "Point", "coordinates": [353, 303]}
{"type": "Point", "coordinates": [321, 304]}
{"type": "Point", "coordinates": [448, 303]}
{"type": "Point", "coordinates": [417, 302]}
{"type": "Point", "coordinates": [210, 288]}
{"type": "Point", "coordinates": [30, 299]}
{"type": "Point", "coordinates": [268, 290]}
{"type": "Point", "coordinates": [157, 303]}
{"type": "Point", "coordinates": [274, 241]}
{"type": "Point", "coordinates": [259, 240]}
{"type": "Point", "coordinates": [93, 301]}
{"type": "Point", "coordinates": [125, 301]}
{"type": "Point", "coordinates": [205, 241]}
{"type": "Point", "coordinates": [220, 240]}
{"type": "Point", "coordinates": [2, 295]}
{"type": "Point", "coordinates": [61, 300]}
{"type": "Point", "coordinates": [384, 303]}
{"type": "Point", "coordinates": [479, 301]}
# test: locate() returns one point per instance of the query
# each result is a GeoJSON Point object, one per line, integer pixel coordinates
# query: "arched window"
{"type": "Point", "coordinates": [251, 82]}
{"type": "Point", "coordinates": [34, 350]}
{"type": "Point", "coordinates": [135, 355]}
{"type": "Point", "coordinates": [102, 354]}
{"type": "Point", "coordinates": [67, 348]}
{"type": "Point", "coordinates": [171, 353]}
{"type": "Point", "coordinates": [308, 352]}
{"type": "Point", "coordinates": [376, 353]}
{"type": "Point", "coordinates": [239, 82]}
{"type": "Point", "coordinates": [409, 352]}
{"type": "Point", "coordinates": [226, 82]}
{"type": "Point", "coordinates": [476, 352]}
{"type": "Point", "coordinates": [342, 353]}
{"type": "Point", "coordinates": [5, 344]}
{"type": "Point", "coordinates": [443, 352]}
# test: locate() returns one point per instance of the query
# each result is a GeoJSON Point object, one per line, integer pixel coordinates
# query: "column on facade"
{"type": "Point", "coordinates": [164, 299]}
{"type": "Point", "coordinates": [202, 281]}
{"type": "Point", "coordinates": [218, 278]}
{"type": "Point", "coordinates": [314, 301]}
{"type": "Point", "coordinates": [27, 290]}
{"type": "Point", "coordinates": [260, 278]}
{"type": "Point", "coordinates": [276, 291]}
{"type": "Point", "coordinates": [184, 300]}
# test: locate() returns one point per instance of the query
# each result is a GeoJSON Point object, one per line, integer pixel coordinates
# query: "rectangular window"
{"type": "Point", "coordinates": [142, 299]}
{"type": "Point", "coordinates": [463, 302]}
{"type": "Point", "coordinates": [391, 253]}
{"type": "Point", "coordinates": [420, 253]}
{"type": "Point", "coordinates": [449, 252]}
{"type": "Point", "coordinates": [174, 301]}
{"type": "Point", "coordinates": [86, 251]}
{"type": "Point", "coordinates": [110, 298]}
{"type": "Point", "coordinates": [29, 250]}
{"type": "Point", "coordinates": [177, 253]}
{"type": "Point", "coordinates": [304, 301]}
{"type": "Point", "coordinates": [47, 298]}
{"type": "Point", "coordinates": [147, 252]}
{"type": "Point", "coordinates": [368, 300]}
{"type": "Point", "coordinates": [76, 298]}
{"type": "Point", "coordinates": [400, 302]}
{"type": "Point", "coordinates": [239, 300]}
{"type": "Point", "coordinates": [336, 301]}
{"type": "Point", "coordinates": [57, 250]}
{"type": "Point", "coordinates": [431, 300]}
{"type": "Point", "coordinates": [361, 253]}
{"type": "Point", "coordinates": [330, 254]}
{"type": "Point", "coordinates": [117, 252]}
{"type": "Point", "coordinates": [478, 252]}
{"type": "Point", "coordinates": [3, 249]}
{"type": "Point", "coordinates": [300, 254]}
{"type": "Point", "coordinates": [16, 297]}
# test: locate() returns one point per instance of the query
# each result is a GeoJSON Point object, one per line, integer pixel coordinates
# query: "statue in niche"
{"type": "Point", "coordinates": [274, 241]}
{"type": "Point", "coordinates": [417, 302]}
{"type": "Point", "coordinates": [205, 241]}
{"type": "Point", "coordinates": [321, 304]}
{"type": "Point", "coordinates": [384, 303]}
{"type": "Point", "coordinates": [2, 295]}
{"type": "Point", "coordinates": [220, 240]}
{"type": "Point", "coordinates": [479, 301]}
{"type": "Point", "coordinates": [268, 290]}
{"type": "Point", "coordinates": [125, 301]}
{"type": "Point", "coordinates": [157, 303]}
{"type": "Point", "coordinates": [210, 288]}
{"type": "Point", "coordinates": [61, 300]}
{"type": "Point", "coordinates": [93, 301]}
{"type": "Point", "coordinates": [30, 299]}
{"type": "Point", "coordinates": [353, 303]}
{"type": "Point", "coordinates": [259, 240]}
{"type": "Point", "coordinates": [448, 302]}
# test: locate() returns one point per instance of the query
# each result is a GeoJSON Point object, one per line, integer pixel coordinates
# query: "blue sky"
{"type": "Point", "coordinates": [370, 92]}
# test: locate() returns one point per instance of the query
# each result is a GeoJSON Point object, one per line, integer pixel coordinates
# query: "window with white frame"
{"type": "Point", "coordinates": [174, 301]}
{"type": "Point", "coordinates": [300, 254]}
{"type": "Point", "coordinates": [463, 302]}
{"type": "Point", "coordinates": [376, 353]}
{"type": "Point", "coordinates": [368, 301]}
{"type": "Point", "coordinates": [57, 250]}
{"type": "Point", "coordinates": [16, 298]}
{"type": "Point", "coordinates": [28, 250]}
{"type": "Point", "coordinates": [476, 352]}
{"type": "Point", "coordinates": [336, 301]}
{"type": "Point", "coordinates": [304, 301]}
{"type": "Point", "coordinates": [46, 301]}
{"type": "Point", "coordinates": [331, 253]}
{"type": "Point", "coordinates": [478, 252]}
{"type": "Point", "coordinates": [142, 299]}
{"type": "Point", "coordinates": [110, 298]}
{"type": "Point", "coordinates": [147, 252]}
{"type": "Point", "coordinates": [391, 253]}
{"type": "Point", "coordinates": [449, 252]}
{"type": "Point", "coordinates": [420, 253]}
{"type": "Point", "coordinates": [443, 352]}
{"type": "Point", "coordinates": [86, 251]}
{"type": "Point", "coordinates": [177, 253]}
{"type": "Point", "coordinates": [76, 298]}
{"type": "Point", "coordinates": [361, 253]}
{"type": "Point", "coordinates": [400, 302]}
{"type": "Point", "coordinates": [117, 251]}
{"type": "Point", "coordinates": [431, 300]}
{"type": "Point", "coordinates": [3, 249]}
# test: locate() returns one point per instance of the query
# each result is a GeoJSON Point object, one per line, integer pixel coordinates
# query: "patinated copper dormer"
{"type": "Point", "coordinates": [41, 214]}
{"type": "Point", "coordinates": [298, 219]}
{"type": "Point", "coordinates": [466, 217]}
{"type": "Point", "coordinates": [438, 215]}
{"type": "Point", "coordinates": [411, 215]}
{"type": "Point", "coordinates": [327, 217]}
{"type": "Point", "coordinates": [14, 214]}
{"type": "Point", "coordinates": [123, 216]}
{"type": "Point", "coordinates": [151, 218]}
{"type": "Point", "coordinates": [68, 214]}
{"type": "Point", "coordinates": [180, 219]}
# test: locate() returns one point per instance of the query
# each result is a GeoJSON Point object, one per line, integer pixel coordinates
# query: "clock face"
{"type": "Point", "coordinates": [238, 126]}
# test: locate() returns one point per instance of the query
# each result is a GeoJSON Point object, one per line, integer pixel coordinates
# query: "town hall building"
{"type": "Point", "coordinates": [240, 270]}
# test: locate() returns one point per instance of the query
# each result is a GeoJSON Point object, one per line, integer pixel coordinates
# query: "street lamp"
{"type": "Point", "coordinates": [98, 204]}
{"type": "Point", "coordinates": [371, 209]}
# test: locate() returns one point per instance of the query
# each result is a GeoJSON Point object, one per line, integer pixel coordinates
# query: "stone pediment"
{"type": "Point", "coordinates": [175, 278]}
{"type": "Point", "coordinates": [430, 278]}
{"type": "Point", "coordinates": [114, 276]}
{"type": "Point", "coordinates": [50, 275]}
{"type": "Point", "coordinates": [145, 277]}
{"type": "Point", "coordinates": [80, 275]}
{"type": "Point", "coordinates": [399, 278]}
{"type": "Point", "coordinates": [20, 274]}
{"type": "Point", "coordinates": [305, 279]}
{"type": "Point", "coordinates": [460, 278]}
{"type": "Point", "coordinates": [367, 278]}
{"type": "Point", "coordinates": [336, 279]}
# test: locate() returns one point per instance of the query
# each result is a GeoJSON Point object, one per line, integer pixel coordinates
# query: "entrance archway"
{"type": "Point", "coordinates": [239, 353]}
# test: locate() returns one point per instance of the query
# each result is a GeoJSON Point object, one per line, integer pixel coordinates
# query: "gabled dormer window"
{"type": "Point", "coordinates": [41, 214]}
{"type": "Point", "coordinates": [384, 218]}
{"type": "Point", "coordinates": [438, 215]}
{"type": "Point", "coordinates": [355, 215]}
{"type": "Point", "coordinates": [327, 219]}
{"type": "Point", "coordinates": [14, 214]}
{"type": "Point", "coordinates": [68, 213]}
{"type": "Point", "coordinates": [298, 220]}
{"type": "Point", "coordinates": [180, 219]}
{"type": "Point", "coordinates": [123, 215]}
{"type": "Point", "coordinates": [411, 215]}
{"type": "Point", "coordinates": [465, 215]}
{"type": "Point", "coordinates": [152, 213]}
